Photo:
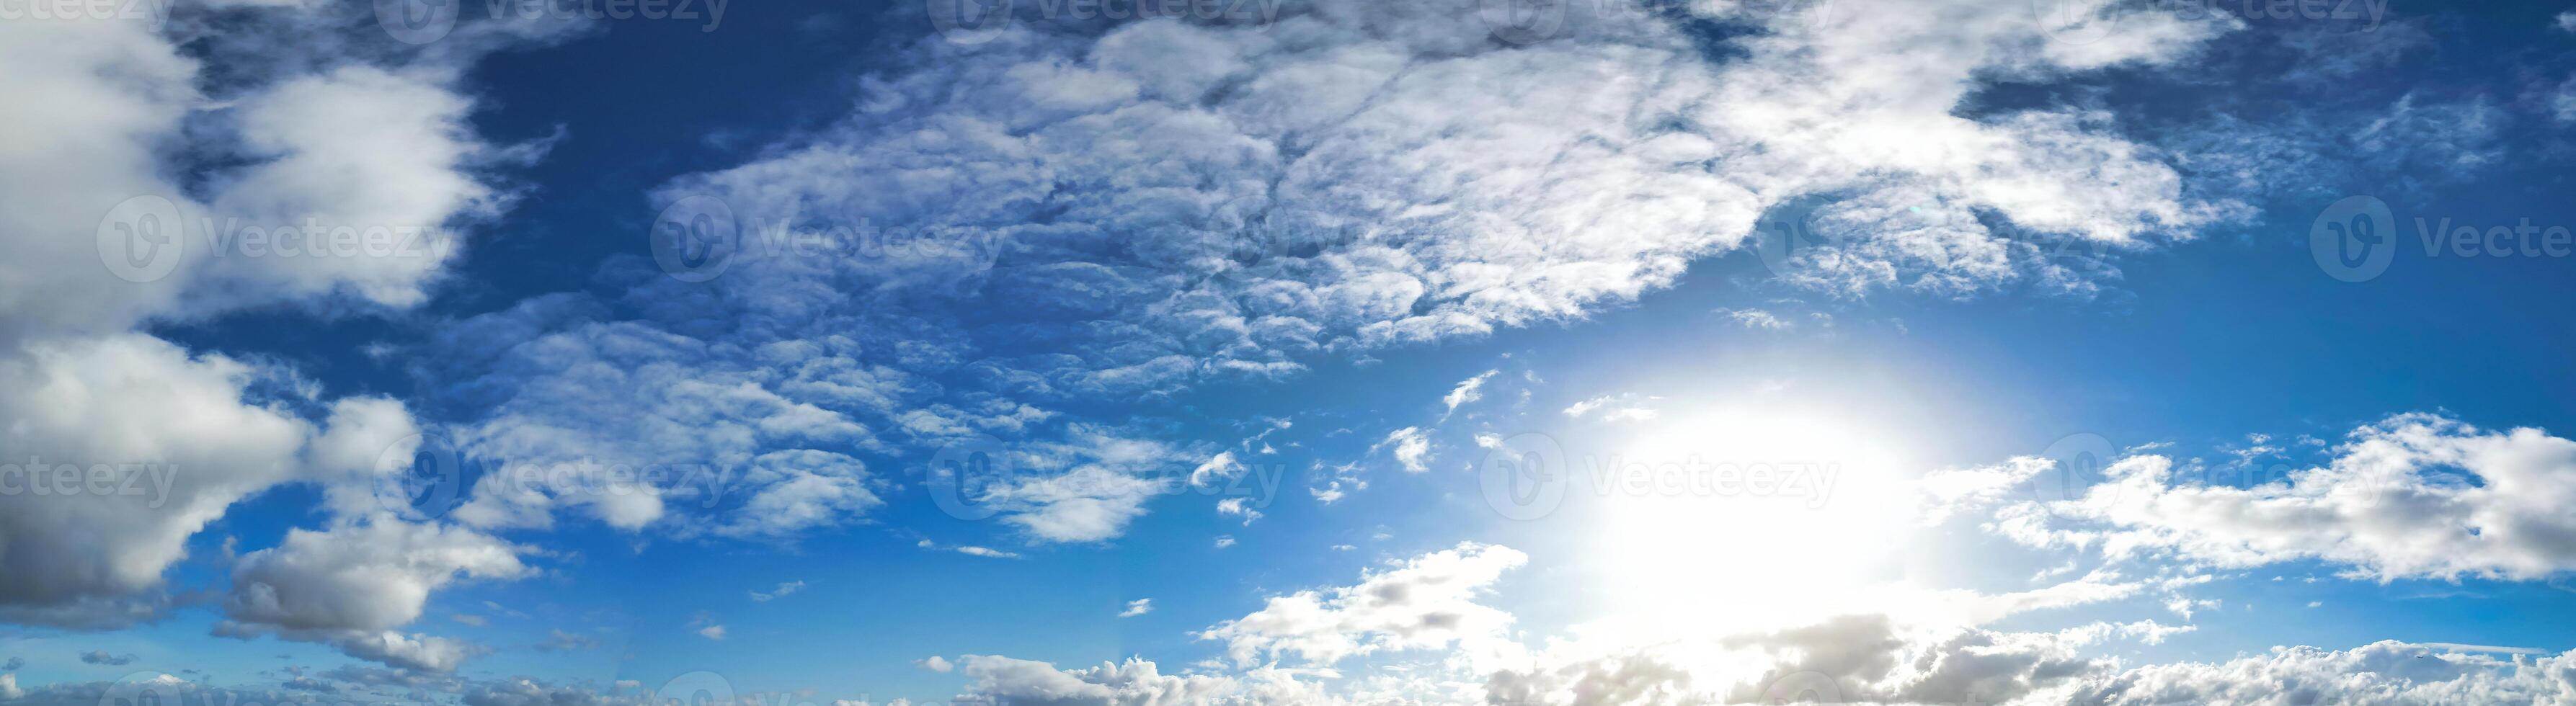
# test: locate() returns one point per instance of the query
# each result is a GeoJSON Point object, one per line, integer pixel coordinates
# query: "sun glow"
{"type": "Point", "coordinates": [1735, 521]}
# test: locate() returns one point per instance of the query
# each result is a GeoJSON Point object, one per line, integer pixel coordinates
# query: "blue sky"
{"type": "Point", "coordinates": [1285, 352]}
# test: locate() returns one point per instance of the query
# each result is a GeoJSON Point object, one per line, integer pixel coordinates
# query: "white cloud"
{"type": "Point", "coordinates": [1137, 607]}
{"type": "Point", "coordinates": [184, 444]}
{"type": "Point", "coordinates": [352, 584]}
{"type": "Point", "coordinates": [1110, 478]}
{"type": "Point", "coordinates": [1238, 507]}
{"type": "Point", "coordinates": [1134, 683]}
{"type": "Point", "coordinates": [2379, 673]}
{"type": "Point", "coordinates": [1218, 467]}
{"type": "Point", "coordinates": [105, 238]}
{"type": "Point", "coordinates": [1755, 319]}
{"type": "Point", "coordinates": [1411, 446]}
{"type": "Point", "coordinates": [560, 641]}
{"type": "Point", "coordinates": [1430, 601]}
{"type": "Point", "coordinates": [1468, 390]}
{"type": "Point", "coordinates": [781, 591]}
{"type": "Point", "coordinates": [2411, 496]}
{"type": "Point", "coordinates": [1623, 407]}
{"type": "Point", "coordinates": [1216, 203]}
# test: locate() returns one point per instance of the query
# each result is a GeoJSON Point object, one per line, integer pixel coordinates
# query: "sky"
{"type": "Point", "coordinates": [712, 353]}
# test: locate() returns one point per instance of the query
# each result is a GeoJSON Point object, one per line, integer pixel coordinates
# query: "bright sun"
{"type": "Point", "coordinates": [1743, 520]}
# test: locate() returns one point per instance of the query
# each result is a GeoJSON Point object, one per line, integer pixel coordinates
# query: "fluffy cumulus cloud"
{"type": "Point", "coordinates": [1017, 681]}
{"type": "Point", "coordinates": [1429, 640]}
{"type": "Point", "coordinates": [1430, 601]}
{"type": "Point", "coordinates": [1850, 659]}
{"type": "Point", "coordinates": [343, 144]}
{"type": "Point", "coordinates": [2391, 673]}
{"type": "Point", "coordinates": [156, 443]}
{"type": "Point", "coordinates": [1427, 637]}
{"type": "Point", "coordinates": [2414, 495]}
{"type": "Point", "coordinates": [326, 170]}
{"type": "Point", "coordinates": [353, 584]}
